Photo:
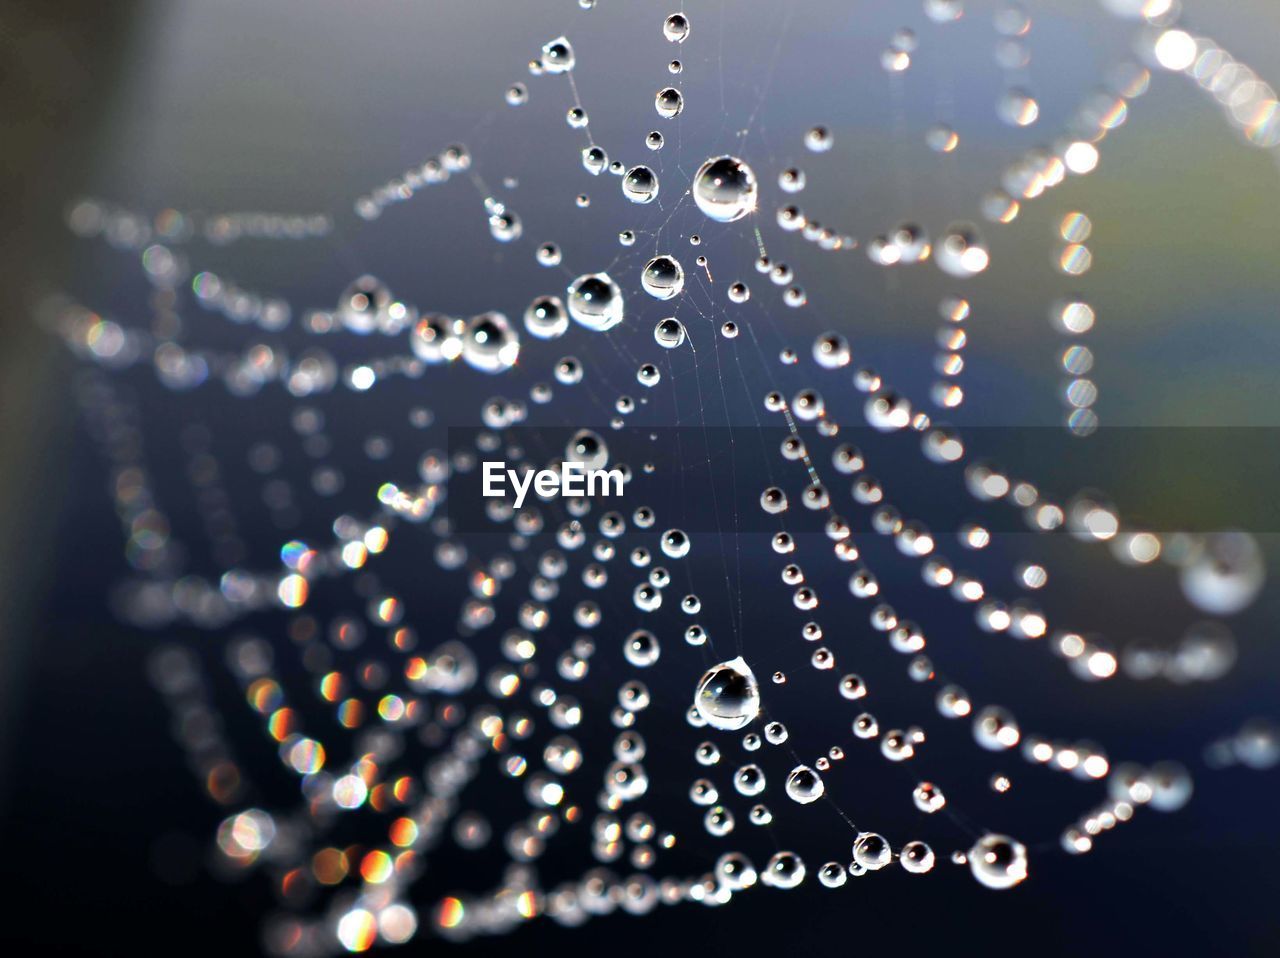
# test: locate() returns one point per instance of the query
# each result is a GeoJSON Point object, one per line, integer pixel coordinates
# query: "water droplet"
{"type": "Point", "coordinates": [911, 242]}
{"type": "Point", "coordinates": [568, 371]}
{"type": "Point", "coordinates": [641, 648]}
{"type": "Point", "coordinates": [831, 351]}
{"type": "Point", "coordinates": [588, 448]}
{"type": "Point", "coordinates": [995, 729]}
{"type": "Point", "coordinates": [363, 303]}
{"type": "Point", "coordinates": [784, 870]}
{"type": "Point", "coordinates": [675, 544]}
{"type": "Point", "coordinates": [489, 343]}
{"type": "Point", "coordinates": [928, 797]}
{"type": "Point", "coordinates": [895, 61]}
{"type": "Point", "coordinates": [436, 339]}
{"type": "Point", "coordinates": [916, 857]}
{"type": "Point", "coordinates": [871, 851]}
{"type": "Point", "coordinates": [557, 56]}
{"type": "Point", "coordinates": [791, 180]}
{"type": "Point", "coordinates": [504, 224]}
{"type": "Point", "coordinates": [546, 318]}
{"type": "Point", "coordinates": [832, 875]}
{"type": "Point", "coordinates": [725, 189]}
{"type": "Point", "coordinates": [887, 411]}
{"type": "Point", "coordinates": [1225, 573]}
{"type": "Point", "coordinates": [640, 185]}
{"type": "Point", "coordinates": [773, 500]}
{"type": "Point", "coordinates": [804, 785]}
{"type": "Point", "coordinates": [669, 333]}
{"type": "Point", "coordinates": [943, 11]}
{"type": "Point", "coordinates": [999, 207]}
{"type": "Point", "coordinates": [749, 780]}
{"type": "Point", "coordinates": [998, 861]}
{"type": "Point", "coordinates": [594, 160]}
{"type": "Point", "coordinates": [663, 277]}
{"type": "Point", "coordinates": [595, 301]}
{"type": "Point", "coordinates": [728, 696]}
{"type": "Point", "coordinates": [962, 252]}
{"type": "Point", "coordinates": [818, 139]}
{"type": "Point", "coordinates": [941, 138]}
{"type": "Point", "coordinates": [1019, 108]}
{"type": "Point", "coordinates": [668, 102]}
{"type": "Point", "coordinates": [676, 28]}
{"type": "Point", "coordinates": [736, 870]}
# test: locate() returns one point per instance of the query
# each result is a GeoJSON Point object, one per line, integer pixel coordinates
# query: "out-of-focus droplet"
{"type": "Point", "coordinates": [998, 861]}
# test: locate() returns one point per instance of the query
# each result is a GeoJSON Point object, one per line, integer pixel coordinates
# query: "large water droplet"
{"type": "Point", "coordinates": [641, 648]}
{"type": "Point", "coordinates": [804, 785]}
{"type": "Point", "coordinates": [998, 861]}
{"type": "Point", "coordinates": [505, 226]}
{"type": "Point", "coordinates": [962, 252]}
{"type": "Point", "coordinates": [784, 870]}
{"type": "Point", "coordinates": [887, 411]}
{"type": "Point", "coordinates": [831, 351]}
{"type": "Point", "coordinates": [435, 339]}
{"type": "Point", "coordinates": [640, 185]}
{"type": "Point", "coordinates": [594, 160]}
{"type": "Point", "coordinates": [595, 301]}
{"type": "Point", "coordinates": [668, 102]}
{"type": "Point", "coordinates": [663, 277]}
{"type": "Point", "coordinates": [546, 317]}
{"type": "Point", "coordinates": [1225, 573]}
{"type": "Point", "coordinates": [871, 851]}
{"type": "Point", "coordinates": [587, 448]}
{"type": "Point", "coordinates": [669, 333]}
{"type": "Point", "coordinates": [728, 696]}
{"type": "Point", "coordinates": [362, 303]}
{"type": "Point", "coordinates": [675, 543]}
{"type": "Point", "coordinates": [490, 344]}
{"type": "Point", "coordinates": [676, 28]}
{"type": "Point", "coordinates": [916, 857]}
{"type": "Point", "coordinates": [557, 56]}
{"type": "Point", "coordinates": [725, 189]}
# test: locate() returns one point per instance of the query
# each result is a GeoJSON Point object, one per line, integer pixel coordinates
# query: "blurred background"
{"type": "Point", "coordinates": [301, 107]}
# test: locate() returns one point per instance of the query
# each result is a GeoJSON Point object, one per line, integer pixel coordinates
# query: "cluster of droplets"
{"type": "Point", "coordinates": [520, 715]}
{"type": "Point", "coordinates": [435, 170]}
{"type": "Point", "coordinates": [129, 229]}
{"type": "Point", "coordinates": [792, 218]}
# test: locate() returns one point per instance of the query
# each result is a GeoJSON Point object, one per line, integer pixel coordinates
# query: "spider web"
{"type": "Point", "coordinates": [455, 734]}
